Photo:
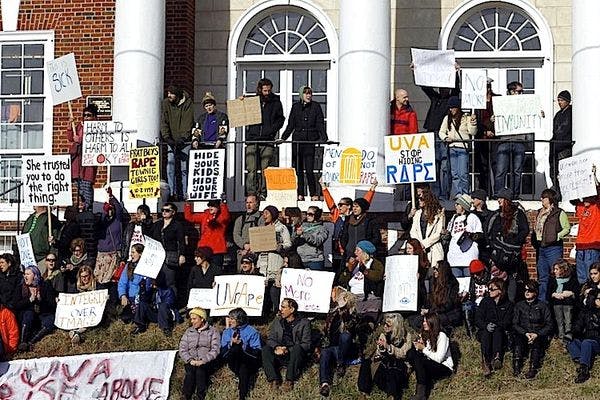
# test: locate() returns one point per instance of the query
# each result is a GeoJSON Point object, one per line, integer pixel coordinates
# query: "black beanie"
{"type": "Point", "coordinates": [565, 95]}
{"type": "Point", "coordinates": [363, 204]}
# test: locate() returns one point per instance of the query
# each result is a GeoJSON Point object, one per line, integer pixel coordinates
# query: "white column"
{"type": "Point", "coordinates": [586, 81]}
{"type": "Point", "coordinates": [10, 14]}
{"type": "Point", "coordinates": [364, 74]}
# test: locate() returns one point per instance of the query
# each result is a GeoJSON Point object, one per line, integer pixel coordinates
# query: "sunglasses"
{"type": "Point", "coordinates": [493, 289]}
{"type": "Point", "coordinates": [51, 259]}
{"type": "Point", "coordinates": [311, 214]}
{"type": "Point", "coordinates": [166, 210]}
{"type": "Point", "coordinates": [343, 204]}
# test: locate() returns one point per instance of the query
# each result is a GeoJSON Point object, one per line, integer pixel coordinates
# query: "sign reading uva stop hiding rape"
{"type": "Point", "coordinates": [410, 158]}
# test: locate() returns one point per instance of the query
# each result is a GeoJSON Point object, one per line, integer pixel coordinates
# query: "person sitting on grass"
{"type": "Point", "coordinates": [563, 294]}
{"type": "Point", "coordinates": [586, 344]}
{"type": "Point", "coordinates": [129, 284]}
{"type": "Point", "coordinates": [9, 333]}
{"type": "Point", "coordinates": [86, 282]}
{"type": "Point", "coordinates": [156, 304]}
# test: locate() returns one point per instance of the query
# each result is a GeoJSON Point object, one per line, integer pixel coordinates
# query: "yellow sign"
{"type": "Point", "coordinates": [144, 173]}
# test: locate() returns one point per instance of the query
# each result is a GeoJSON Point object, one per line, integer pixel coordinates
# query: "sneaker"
{"type": "Point", "coordinates": [324, 391]}
{"type": "Point", "coordinates": [497, 363]}
{"type": "Point", "coordinates": [137, 330]}
{"type": "Point", "coordinates": [75, 339]}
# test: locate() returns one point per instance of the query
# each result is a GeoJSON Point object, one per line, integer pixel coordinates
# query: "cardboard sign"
{"type": "Point", "coordinates": [105, 143]}
{"type": "Point", "coordinates": [152, 258]}
{"type": "Point", "coordinates": [233, 291]}
{"type": "Point", "coordinates": [575, 177]}
{"type": "Point", "coordinates": [63, 78]}
{"type": "Point", "coordinates": [401, 287]}
{"type": "Point", "coordinates": [90, 376]}
{"type": "Point", "coordinates": [80, 310]}
{"type": "Point", "coordinates": [144, 173]}
{"type": "Point", "coordinates": [282, 187]}
{"type": "Point", "coordinates": [203, 298]}
{"type": "Point", "coordinates": [311, 289]}
{"type": "Point", "coordinates": [474, 89]}
{"type": "Point", "coordinates": [410, 158]}
{"type": "Point", "coordinates": [206, 174]}
{"type": "Point", "coordinates": [47, 180]}
{"type": "Point", "coordinates": [244, 112]}
{"type": "Point", "coordinates": [517, 114]}
{"type": "Point", "coordinates": [25, 250]}
{"type": "Point", "coordinates": [349, 165]}
{"type": "Point", "coordinates": [262, 238]}
{"type": "Point", "coordinates": [434, 68]}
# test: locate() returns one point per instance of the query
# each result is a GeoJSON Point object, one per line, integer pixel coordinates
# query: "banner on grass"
{"type": "Point", "coordinates": [474, 89]}
{"type": "Point", "coordinates": [206, 174]}
{"type": "Point", "coordinates": [106, 143]}
{"type": "Point", "coordinates": [516, 115]}
{"type": "Point", "coordinates": [435, 68]}
{"type": "Point", "coordinates": [401, 287]}
{"type": "Point", "coordinates": [80, 310]}
{"type": "Point", "coordinates": [575, 177]}
{"type": "Point", "coordinates": [410, 158]}
{"type": "Point", "coordinates": [311, 289]}
{"type": "Point", "coordinates": [63, 78]}
{"type": "Point", "coordinates": [152, 258]}
{"type": "Point", "coordinates": [47, 180]}
{"type": "Point", "coordinates": [144, 173]}
{"type": "Point", "coordinates": [349, 165]}
{"type": "Point", "coordinates": [282, 186]}
{"type": "Point", "coordinates": [140, 375]}
{"type": "Point", "coordinates": [25, 250]}
{"type": "Point", "coordinates": [233, 291]}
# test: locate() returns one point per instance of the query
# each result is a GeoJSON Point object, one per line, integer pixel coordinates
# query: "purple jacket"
{"type": "Point", "coordinates": [110, 231]}
{"type": "Point", "coordinates": [201, 344]}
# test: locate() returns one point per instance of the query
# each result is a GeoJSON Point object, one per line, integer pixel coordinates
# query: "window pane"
{"type": "Point", "coordinates": [11, 111]}
{"type": "Point", "coordinates": [532, 44]}
{"type": "Point", "coordinates": [33, 82]}
{"type": "Point", "coordinates": [280, 40]}
{"type": "Point", "coordinates": [322, 99]}
{"type": "Point", "coordinates": [461, 45]}
{"type": "Point", "coordinates": [319, 80]}
{"type": "Point", "coordinates": [292, 40]}
{"type": "Point", "coordinates": [489, 16]}
{"type": "Point", "coordinates": [34, 111]}
{"type": "Point", "coordinates": [33, 136]}
{"type": "Point", "coordinates": [467, 32]}
{"type": "Point", "coordinates": [252, 78]}
{"type": "Point", "coordinates": [480, 45]}
{"type": "Point", "coordinates": [279, 21]}
{"type": "Point", "coordinates": [302, 49]}
{"type": "Point", "coordinates": [528, 76]}
{"type": "Point", "coordinates": [267, 26]}
{"type": "Point", "coordinates": [11, 56]}
{"type": "Point", "coordinates": [293, 20]}
{"type": "Point", "coordinates": [307, 23]}
{"type": "Point", "coordinates": [300, 78]}
{"type": "Point", "coordinates": [11, 137]}
{"type": "Point", "coordinates": [273, 75]}
{"type": "Point", "coordinates": [320, 48]}
{"type": "Point", "coordinates": [257, 36]}
{"type": "Point", "coordinates": [252, 49]}
{"type": "Point", "coordinates": [512, 75]}
{"type": "Point", "coordinates": [271, 49]}
{"type": "Point", "coordinates": [34, 56]}
{"type": "Point", "coordinates": [512, 45]}
{"type": "Point", "coordinates": [11, 82]}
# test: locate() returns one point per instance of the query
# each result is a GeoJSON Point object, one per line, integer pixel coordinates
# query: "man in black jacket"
{"type": "Point", "coordinates": [562, 130]}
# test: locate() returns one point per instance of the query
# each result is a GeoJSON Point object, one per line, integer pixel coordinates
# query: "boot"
{"type": "Point", "coordinates": [421, 393]}
{"type": "Point", "coordinates": [497, 363]}
{"type": "Point", "coordinates": [469, 323]}
{"type": "Point", "coordinates": [532, 373]}
{"type": "Point", "coordinates": [535, 362]}
{"type": "Point", "coordinates": [517, 364]}
{"type": "Point", "coordinates": [487, 370]}
{"type": "Point", "coordinates": [583, 375]}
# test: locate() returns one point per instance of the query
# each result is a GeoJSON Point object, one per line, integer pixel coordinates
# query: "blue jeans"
{"type": "Point", "coordinates": [441, 186]}
{"type": "Point", "coordinates": [547, 256]}
{"type": "Point", "coordinates": [315, 265]}
{"type": "Point", "coordinates": [173, 172]}
{"type": "Point", "coordinates": [585, 258]}
{"type": "Point", "coordinates": [583, 350]}
{"type": "Point", "coordinates": [504, 153]}
{"type": "Point", "coordinates": [459, 169]}
{"type": "Point", "coordinates": [460, 272]}
{"type": "Point", "coordinates": [330, 356]}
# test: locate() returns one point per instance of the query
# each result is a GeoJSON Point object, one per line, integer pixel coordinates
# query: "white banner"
{"type": "Point", "coordinates": [349, 165]}
{"type": "Point", "coordinates": [26, 254]}
{"type": "Point", "coordinates": [206, 174]}
{"type": "Point", "coordinates": [233, 291]}
{"type": "Point", "coordinates": [410, 158]}
{"type": "Point", "coordinates": [63, 78]}
{"type": "Point", "coordinates": [311, 289]}
{"type": "Point", "coordinates": [80, 310]}
{"type": "Point", "coordinates": [152, 258]}
{"type": "Point", "coordinates": [47, 180]}
{"type": "Point", "coordinates": [575, 177]}
{"type": "Point", "coordinates": [106, 143]}
{"type": "Point", "coordinates": [106, 376]}
{"type": "Point", "coordinates": [463, 284]}
{"type": "Point", "coordinates": [474, 88]}
{"type": "Point", "coordinates": [401, 287]}
{"type": "Point", "coordinates": [434, 68]}
{"type": "Point", "coordinates": [203, 298]}
{"type": "Point", "coordinates": [517, 114]}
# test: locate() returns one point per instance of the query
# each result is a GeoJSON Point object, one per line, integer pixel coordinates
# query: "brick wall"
{"type": "Point", "coordinates": [179, 44]}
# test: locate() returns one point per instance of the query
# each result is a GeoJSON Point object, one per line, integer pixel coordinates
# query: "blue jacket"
{"type": "Point", "coordinates": [157, 295]}
{"type": "Point", "coordinates": [129, 288]}
{"type": "Point", "coordinates": [251, 343]}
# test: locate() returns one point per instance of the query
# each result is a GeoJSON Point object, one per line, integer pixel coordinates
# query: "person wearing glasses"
{"type": "Point", "coordinates": [84, 177]}
{"type": "Point", "coordinates": [169, 232]}
{"type": "Point", "coordinates": [308, 238]}
{"type": "Point", "coordinates": [10, 277]}
{"type": "Point", "coordinates": [54, 274]}
{"type": "Point", "coordinates": [586, 344]}
{"type": "Point", "coordinates": [86, 282]}
{"type": "Point", "coordinates": [70, 267]}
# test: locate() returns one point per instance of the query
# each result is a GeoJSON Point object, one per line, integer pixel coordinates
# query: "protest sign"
{"type": "Point", "coordinates": [152, 258]}
{"type": "Point", "coordinates": [47, 180]}
{"type": "Point", "coordinates": [262, 238]}
{"type": "Point", "coordinates": [401, 287]}
{"type": "Point", "coordinates": [203, 298]}
{"type": "Point", "coordinates": [105, 143]}
{"type": "Point", "coordinates": [410, 158]}
{"type": "Point", "coordinates": [349, 165]}
{"type": "Point", "coordinates": [244, 112]}
{"type": "Point", "coordinates": [463, 284]}
{"type": "Point", "coordinates": [139, 375]}
{"type": "Point", "coordinates": [25, 250]}
{"type": "Point", "coordinates": [233, 291]}
{"type": "Point", "coordinates": [206, 174]}
{"type": "Point", "coordinates": [282, 186]}
{"type": "Point", "coordinates": [434, 68]}
{"type": "Point", "coordinates": [144, 173]}
{"type": "Point", "coordinates": [517, 114]}
{"type": "Point", "coordinates": [63, 78]}
{"type": "Point", "coordinates": [311, 289]}
{"type": "Point", "coordinates": [80, 310]}
{"type": "Point", "coordinates": [575, 177]}
{"type": "Point", "coordinates": [474, 89]}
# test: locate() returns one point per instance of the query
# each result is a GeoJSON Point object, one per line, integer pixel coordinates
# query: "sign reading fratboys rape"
{"type": "Point", "coordinates": [575, 177]}
{"type": "Point", "coordinates": [80, 310]}
{"type": "Point", "coordinates": [144, 173]}
{"type": "Point", "coordinates": [349, 165]}
{"type": "Point", "coordinates": [434, 68]}
{"type": "Point", "coordinates": [410, 158]}
{"type": "Point", "coordinates": [400, 291]}
{"type": "Point", "coordinates": [206, 174]}
{"type": "Point", "coordinates": [47, 180]}
{"type": "Point", "coordinates": [517, 114]}
{"type": "Point", "coordinates": [63, 78]}
{"type": "Point", "coordinates": [105, 143]}
{"type": "Point", "coordinates": [233, 291]}
{"type": "Point", "coordinates": [310, 289]}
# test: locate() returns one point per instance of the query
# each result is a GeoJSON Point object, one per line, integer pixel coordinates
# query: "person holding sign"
{"type": "Point", "coordinates": [309, 238]}
{"type": "Point", "coordinates": [587, 244]}
{"type": "Point", "coordinates": [37, 225]}
{"type": "Point", "coordinates": [128, 287]}
{"type": "Point", "coordinates": [211, 128]}
{"type": "Point", "coordinates": [370, 279]}
{"type": "Point", "coordinates": [251, 218]}
{"type": "Point", "coordinates": [202, 275]}
{"type": "Point", "coordinates": [464, 229]}
{"type": "Point", "coordinates": [86, 282]}
{"type": "Point", "coordinates": [85, 177]}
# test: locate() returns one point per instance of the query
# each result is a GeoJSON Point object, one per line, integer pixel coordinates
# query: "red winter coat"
{"type": "Point", "coordinates": [403, 120]}
{"type": "Point", "coordinates": [212, 227]}
{"type": "Point", "coordinates": [9, 330]}
{"type": "Point", "coordinates": [75, 150]}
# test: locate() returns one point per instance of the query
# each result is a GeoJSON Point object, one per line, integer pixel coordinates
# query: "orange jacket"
{"type": "Point", "coordinates": [212, 230]}
{"type": "Point", "coordinates": [334, 211]}
{"type": "Point", "coordinates": [9, 330]}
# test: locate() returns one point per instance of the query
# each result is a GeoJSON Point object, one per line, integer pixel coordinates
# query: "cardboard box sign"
{"type": "Point", "coordinates": [262, 238]}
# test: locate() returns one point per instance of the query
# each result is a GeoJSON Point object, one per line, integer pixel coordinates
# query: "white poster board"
{"type": "Point", "coordinates": [80, 310]}
{"type": "Point", "coordinates": [203, 298]}
{"type": "Point", "coordinates": [63, 78]}
{"type": "Point", "coordinates": [311, 289]}
{"type": "Point", "coordinates": [517, 114]}
{"type": "Point", "coordinates": [410, 158]}
{"type": "Point", "coordinates": [474, 89]}
{"type": "Point", "coordinates": [349, 165]}
{"type": "Point", "coordinates": [90, 376]}
{"type": "Point", "coordinates": [434, 68]}
{"type": "Point", "coordinates": [25, 250]}
{"type": "Point", "coordinates": [47, 180]}
{"type": "Point", "coordinates": [575, 177]}
{"type": "Point", "coordinates": [206, 174]}
{"type": "Point", "coordinates": [106, 143]}
{"type": "Point", "coordinates": [152, 258]}
{"type": "Point", "coordinates": [233, 291]}
{"type": "Point", "coordinates": [400, 292]}
{"type": "Point", "coordinates": [463, 284]}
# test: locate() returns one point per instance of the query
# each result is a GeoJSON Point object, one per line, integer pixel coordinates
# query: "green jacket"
{"type": "Point", "coordinates": [38, 233]}
{"type": "Point", "coordinates": [177, 121]}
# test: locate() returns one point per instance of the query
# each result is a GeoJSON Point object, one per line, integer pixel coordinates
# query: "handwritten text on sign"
{"type": "Point", "coordinates": [144, 173]}
{"type": "Point", "coordinates": [63, 78]}
{"type": "Point", "coordinates": [474, 88]}
{"type": "Point", "coordinates": [152, 258]}
{"type": "Point", "coordinates": [517, 114]}
{"type": "Point", "coordinates": [311, 289]}
{"type": "Point", "coordinates": [104, 376]}
{"type": "Point", "coordinates": [25, 250]}
{"type": "Point", "coordinates": [434, 68]}
{"type": "Point", "coordinates": [233, 291]}
{"type": "Point", "coordinates": [106, 143]}
{"type": "Point", "coordinates": [400, 291]}
{"type": "Point", "coordinates": [575, 177]}
{"type": "Point", "coordinates": [410, 158]}
{"type": "Point", "coordinates": [47, 180]}
{"type": "Point", "coordinates": [349, 165]}
{"type": "Point", "coordinates": [206, 174]}
{"type": "Point", "coordinates": [80, 310]}
{"type": "Point", "coordinates": [282, 185]}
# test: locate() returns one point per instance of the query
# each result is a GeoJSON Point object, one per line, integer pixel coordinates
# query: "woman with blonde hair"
{"type": "Point", "coordinates": [86, 282]}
